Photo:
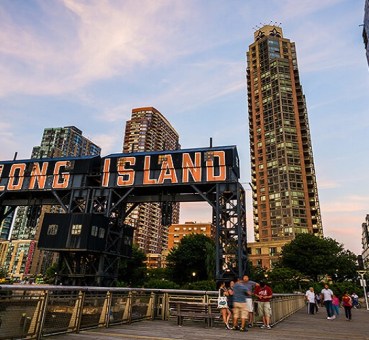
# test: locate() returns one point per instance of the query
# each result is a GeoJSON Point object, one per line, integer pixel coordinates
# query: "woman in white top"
{"type": "Point", "coordinates": [224, 310]}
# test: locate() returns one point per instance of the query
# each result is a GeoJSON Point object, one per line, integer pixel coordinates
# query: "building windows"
{"type": "Point", "coordinates": [76, 229]}
{"type": "Point", "coordinates": [94, 230]}
{"type": "Point", "coordinates": [52, 229]}
{"type": "Point", "coordinates": [101, 232]}
{"type": "Point", "coordinates": [273, 251]}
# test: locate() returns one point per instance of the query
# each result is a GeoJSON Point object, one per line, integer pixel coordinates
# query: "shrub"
{"type": "Point", "coordinates": [161, 284]}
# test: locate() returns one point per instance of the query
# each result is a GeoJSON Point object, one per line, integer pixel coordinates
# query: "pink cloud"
{"type": "Point", "coordinates": [345, 204]}
{"type": "Point", "coordinates": [195, 212]}
{"type": "Point", "coordinates": [103, 39]}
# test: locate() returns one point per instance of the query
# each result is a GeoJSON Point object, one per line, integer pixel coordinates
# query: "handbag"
{"type": "Point", "coordinates": [222, 301]}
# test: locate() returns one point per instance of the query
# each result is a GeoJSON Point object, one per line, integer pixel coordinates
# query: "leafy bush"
{"type": "Point", "coordinates": [208, 285]}
{"type": "Point", "coordinates": [161, 284]}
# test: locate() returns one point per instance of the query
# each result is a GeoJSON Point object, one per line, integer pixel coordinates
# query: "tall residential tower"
{"type": "Point", "coordinates": [149, 130]}
{"type": "Point", "coordinates": [366, 29]}
{"type": "Point", "coordinates": [20, 256]}
{"type": "Point", "coordinates": [285, 194]}
{"type": "Point", "coordinates": [365, 241]}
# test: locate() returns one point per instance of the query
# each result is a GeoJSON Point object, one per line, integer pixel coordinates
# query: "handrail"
{"type": "Point", "coordinates": [33, 311]}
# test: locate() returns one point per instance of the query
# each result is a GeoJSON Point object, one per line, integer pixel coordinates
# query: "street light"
{"type": "Point", "coordinates": [193, 276]}
{"type": "Point", "coordinates": [363, 283]}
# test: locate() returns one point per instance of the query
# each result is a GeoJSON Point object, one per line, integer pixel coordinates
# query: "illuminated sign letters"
{"type": "Point", "coordinates": [123, 170]}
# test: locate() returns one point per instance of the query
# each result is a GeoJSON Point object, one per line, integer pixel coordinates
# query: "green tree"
{"type": "Point", "coordinates": [207, 285]}
{"type": "Point", "coordinates": [256, 273]}
{"type": "Point", "coordinates": [50, 273]}
{"type": "Point", "coordinates": [283, 280]}
{"type": "Point", "coordinates": [3, 273]}
{"type": "Point", "coordinates": [286, 280]}
{"type": "Point", "coordinates": [346, 266]}
{"type": "Point", "coordinates": [161, 284]}
{"type": "Point", "coordinates": [192, 260]}
{"type": "Point", "coordinates": [132, 271]}
{"type": "Point", "coordinates": [316, 257]}
{"type": "Point", "coordinates": [158, 273]}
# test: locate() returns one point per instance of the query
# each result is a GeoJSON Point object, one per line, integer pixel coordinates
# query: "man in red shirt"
{"type": "Point", "coordinates": [264, 294]}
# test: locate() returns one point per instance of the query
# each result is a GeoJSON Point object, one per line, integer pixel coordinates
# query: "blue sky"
{"type": "Point", "coordinates": [89, 62]}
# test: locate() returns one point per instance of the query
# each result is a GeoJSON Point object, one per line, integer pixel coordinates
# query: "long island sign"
{"type": "Point", "coordinates": [164, 168]}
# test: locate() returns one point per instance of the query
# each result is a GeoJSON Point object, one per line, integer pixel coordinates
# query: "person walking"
{"type": "Point", "coordinates": [355, 300]}
{"type": "Point", "coordinates": [327, 295]}
{"type": "Point", "coordinates": [317, 302]}
{"type": "Point", "coordinates": [310, 298]}
{"type": "Point", "coordinates": [250, 285]}
{"type": "Point", "coordinates": [336, 305]}
{"type": "Point", "coordinates": [347, 305]}
{"type": "Point", "coordinates": [239, 305]}
{"type": "Point", "coordinates": [264, 294]}
{"type": "Point", "coordinates": [224, 309]}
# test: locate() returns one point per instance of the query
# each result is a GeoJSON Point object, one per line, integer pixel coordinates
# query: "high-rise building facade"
{"type": "Point", "coordinates": [5, 225]}
{"type": "Point", "coordinates": [149, 130]}
{"type": "Point", "coordinates": [178, 231]}
{"type": "Point", "coordinates": [365, 241]}
{"type": "Point", "coordinates": [56, 142]}
{"type": "Point", "coordinates": [64, 142]}
{"type": "Point", "coordinates": [366, 29]}
{"type": "Point", "coordinates": [285, 194]}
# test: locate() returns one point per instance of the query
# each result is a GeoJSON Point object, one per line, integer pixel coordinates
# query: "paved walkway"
{"type": "Point", "coordinates": [298, 326]}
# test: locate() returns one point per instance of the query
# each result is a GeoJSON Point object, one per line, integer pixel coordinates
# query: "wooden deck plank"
{"type": "Point", "coordinates": [298, 326]}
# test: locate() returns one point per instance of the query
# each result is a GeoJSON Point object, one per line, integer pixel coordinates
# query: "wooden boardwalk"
{"type": "Point", "coordinates": [298, 326]}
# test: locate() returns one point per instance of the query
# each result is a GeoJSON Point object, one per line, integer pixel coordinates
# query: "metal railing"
{"type": "Point", "coordinates": [35, 311]}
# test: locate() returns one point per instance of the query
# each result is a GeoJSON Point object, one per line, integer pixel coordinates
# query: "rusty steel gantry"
{"type": "Point", "coordinates": [95, 197]}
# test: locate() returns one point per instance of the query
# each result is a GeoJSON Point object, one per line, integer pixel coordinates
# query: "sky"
{"type": "Point", "coordinates": [88, 63]}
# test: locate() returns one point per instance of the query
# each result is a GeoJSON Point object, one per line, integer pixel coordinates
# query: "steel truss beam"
{"type": "Point", "coordinates": [93, 268]}
{"type": "Point", "coordinates": [229, 216]}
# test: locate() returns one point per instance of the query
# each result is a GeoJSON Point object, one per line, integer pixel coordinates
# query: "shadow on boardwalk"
{"type": "Point", "coordinates": [298, 326]}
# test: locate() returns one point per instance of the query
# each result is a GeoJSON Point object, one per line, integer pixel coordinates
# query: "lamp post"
{"type": "Point", "coordinates": [363, 283]}
{"type": "Point", "coordinates": [193, 276]}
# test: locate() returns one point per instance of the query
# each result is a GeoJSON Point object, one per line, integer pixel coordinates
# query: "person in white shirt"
{"type": "Point", "coordinates": [327, 295]}
{"type": "Point", "coordinates": [310, 298]}
{"type": "Point", "coordinates": [355, 300]}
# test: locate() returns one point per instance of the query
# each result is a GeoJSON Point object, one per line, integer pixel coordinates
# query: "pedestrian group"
{"type": "Point", "coordinates": [331, 302]}
{"type": "Point", "coordinates": [240, 303]}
